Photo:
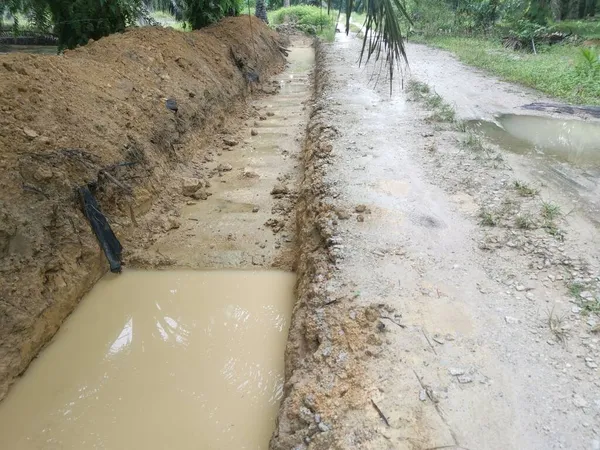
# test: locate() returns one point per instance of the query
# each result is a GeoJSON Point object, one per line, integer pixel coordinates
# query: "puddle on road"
{"type": "Point", "coordinates": [159, 360]}
{"type": "Point", "coordinates": [574, 141]}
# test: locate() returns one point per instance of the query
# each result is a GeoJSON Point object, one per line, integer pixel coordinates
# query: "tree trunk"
{"type": "Point", "coordinates": [261, 10]}
{"type": "Point", "coordinates": [590, 8]}
{"type": "Point", "coordinates": [286, 3]}
{"type": "Point", "coordinates": [581, 12]}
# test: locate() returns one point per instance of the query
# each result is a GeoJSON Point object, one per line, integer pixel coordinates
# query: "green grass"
{"type": "Point", "coordinates": [550, 211]}
{"type": "Point", "coordinates": [586, 29]}
{"type": "Point", "coordinates": [441, 111]}
{"type": "Point", "coordinates": [525, 221]}
{"type": "Point", "coordinates": [575, 289]}
{"type": "Point", "coordinates": [473, 142]}
{"type": "Point", "coordinates": [303, 15]}
{"type": "Point", "coordinates": [524, 189]}
{"type": "Point", "coordinates": [487, 218]}
{"type": "Point", "coordinates": [310, 19]}
{"type": "Point", "coordinates": [553, 70]}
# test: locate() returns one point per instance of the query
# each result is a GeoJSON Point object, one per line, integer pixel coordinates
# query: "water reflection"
{"type": "Point", "coordinates": [575, 141]}
{"type": "Point", "coordinates": [198, 355]}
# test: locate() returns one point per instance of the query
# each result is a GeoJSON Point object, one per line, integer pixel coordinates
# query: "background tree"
{"type": "Point", "coordinates": [77, 21]}
{"type": "Point", "coordinates": [261, 10]}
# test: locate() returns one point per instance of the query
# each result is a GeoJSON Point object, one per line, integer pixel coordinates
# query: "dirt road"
{"type": "Point", "coordinates": [477, 342]}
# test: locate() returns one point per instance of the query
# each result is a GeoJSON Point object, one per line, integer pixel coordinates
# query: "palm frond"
{"type": "Point", "coordinates": [383, 40]}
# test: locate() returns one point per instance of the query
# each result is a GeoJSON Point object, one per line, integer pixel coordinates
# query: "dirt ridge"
{"type": "Point", "coordinates": [76, 119]}
{"type": "Point", "coordinates": [328, 338]}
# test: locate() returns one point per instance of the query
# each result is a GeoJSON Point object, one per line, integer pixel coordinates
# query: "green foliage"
{"type": "Point", "coordinates": [586, 29]}
{"type": "Point", "coordinates": [550, 211]}
{"type": "Point", "coordinates": [537, 12]}
{"type": "Point", "coordinates": [588, 64]}
{"type": "Point", "coordinates": [32, 14]}
{"type": "Point", "coordinates": [303, 15]}
{"type": "Point", "coordinates": [77, 21]}
{"type": "Point", "coordinates": [527, 31]}
{"type": "Point", "coordinates": [487, 218]}
{"type": "Point", "coordinates": [441, 111]}
{"type": "Point", "coordinates": [524, 189]}
{"type": "Point", "coordinates": [200, 13]}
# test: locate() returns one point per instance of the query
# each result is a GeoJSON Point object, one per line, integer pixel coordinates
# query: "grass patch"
{"type": "Point", "coordinates": [310, 19]}
{"type": "Point", "coordinates": [554, 70]}
{"type": "Point", "coordinates": [586, 29]}
{"type": "Point", "coordinates": [303, 15]}
{"type": "Point", "coordinates": [417, 89]}
{"type": "Point", "coordinates": [550, 211]}
{"type": "Point", "coordinates": [524, 189]}
{"type": "Point", "coordinates": [487, 218]}
{"type": "Point", "coordinates": [556, 323]}
{"type": "Point", "coordinates": [575, 289]}
{"type": "Point", "coordinates": [525, 221]}
{"type": "Point", "coordinates": [461, 126]}
{"type": "Point", "coordinates": [441, 111]}
{"type": "Point", "coordinates": [355, 28]}
{"type": "Point", "coordinates": [473, 142]}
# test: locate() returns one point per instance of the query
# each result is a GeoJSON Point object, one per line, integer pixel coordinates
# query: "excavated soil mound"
{"type": "Point", "coordinates": [96, 116]}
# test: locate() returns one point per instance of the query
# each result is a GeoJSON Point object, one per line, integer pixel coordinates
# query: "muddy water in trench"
{"type": "Point", "coordinates": [574, 141]}
{"type": "Point", "coordinates": [159, 360]}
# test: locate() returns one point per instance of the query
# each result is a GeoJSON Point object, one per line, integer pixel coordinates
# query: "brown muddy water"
{"type": "Point", "coordinates": [159, 360]}
{"type": "Point", "coordinates": [574, 141]}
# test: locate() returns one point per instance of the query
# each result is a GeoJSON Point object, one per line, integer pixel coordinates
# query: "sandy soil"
{"type": "Point", "coordinates": [73, 120]}
{"type": "Point", "coordinates": [417, 327]}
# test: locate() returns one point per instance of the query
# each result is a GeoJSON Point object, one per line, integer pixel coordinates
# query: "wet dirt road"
{"type": "Point", "coordinates": [480, 344]}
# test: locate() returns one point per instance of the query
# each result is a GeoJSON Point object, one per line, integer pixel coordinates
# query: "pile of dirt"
{"type": "Point", "coordinates": [96, 116]}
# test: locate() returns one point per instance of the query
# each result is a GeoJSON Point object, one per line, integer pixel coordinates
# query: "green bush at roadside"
{"type": "Point", "coordinates": [311, 19]}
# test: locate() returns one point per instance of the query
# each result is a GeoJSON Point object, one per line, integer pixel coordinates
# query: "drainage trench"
{"type": "Point", "coordinates": [186, 358]}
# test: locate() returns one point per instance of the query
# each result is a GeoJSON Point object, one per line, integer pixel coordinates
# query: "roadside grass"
{"type": "Point", "coordinates": [550, 211]}
{"type": "Point", "coordinates": [302, 15]}
{"type": "Point", "coordinates": [586, 29]}
{"type": "Point", "coordinates": [524, 190]}
{"type": "Point", "coordinates": [554, 70]}
{"type": "Point", "coordinates": [487, 218]}
{"type": "Point", "coordinates": [556, 323]}
{"type": "Point", "coordinates": [355, 28]}
{"type": "Point", "coordinates": [575, 289]}
{"type": "Point", "coordinates": [310, 19]}
{"type": "Point", "coordinates": [473, 142]}
{"type": "Point", "coordinates": [525, 221]}
{"type": "Point", "coordinates": [440, 110]}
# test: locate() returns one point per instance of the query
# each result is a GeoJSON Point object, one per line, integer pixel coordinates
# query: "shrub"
{"type": "Point", "coordinates": [303, 15]}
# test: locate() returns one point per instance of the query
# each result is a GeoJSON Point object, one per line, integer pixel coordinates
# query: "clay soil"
{"type": "Point", "coordinates": [96, 116]}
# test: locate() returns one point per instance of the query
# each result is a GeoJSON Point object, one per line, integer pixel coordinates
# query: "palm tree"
{"type": "Point", "coordinates": [261, 10]}
{"type": "Point", "coordinates": [383, 40]}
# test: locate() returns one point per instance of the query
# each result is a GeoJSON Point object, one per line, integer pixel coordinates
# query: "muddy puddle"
{"type": "Point", "coordinates": [574, 141]}
{"type": "Point", "coordinates": [159, 360]}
